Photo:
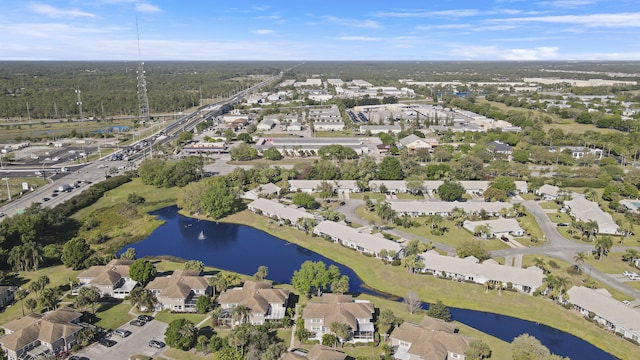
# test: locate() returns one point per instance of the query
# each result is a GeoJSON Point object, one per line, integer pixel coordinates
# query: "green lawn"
{"type": "Point", "coordinates": [167, 317]}
{"type": "Point", "coordinates": [372, 196]}
{"type": "Point", "coordinates": [407, 196]}
{"type": "Point", "coordinates": [549, 205]}
{"type": "Point", "coordinates": [112, 315]}
{"type": "Point", "coordinates": [530, 225]}
{"type": "Point", "coordinates": [560, 218]}
{"type": "Point", "coordinates": [334, 134]}
{"type": "Point", "coordinates": [453, 236]}
{"type": "Point", "coordinates": [611, 264]}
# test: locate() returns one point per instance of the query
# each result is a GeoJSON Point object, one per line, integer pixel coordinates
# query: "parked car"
{"type": "Point", "coordinates": [137, 322]}
{"type": "Point", "coordinates": [156, 344]}
{"type": "Point", "coordinates": [628, 273]}
{"type": "Point", "coordinates": [122, 332]}
{"type": "Point", "coordinates": [504, 238]}
{"type": "Point", "coordinates": [107, 342]}
{"type": "Point", "coordinates": [145, 318]}
{"type": "Point", "coordinates": [78, 358]}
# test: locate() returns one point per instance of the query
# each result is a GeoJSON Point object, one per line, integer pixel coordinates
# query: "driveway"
{"type": "Point", "coordinates": [136, 343]}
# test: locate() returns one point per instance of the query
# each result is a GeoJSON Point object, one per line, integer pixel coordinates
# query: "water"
{"type": "Point", "coordinates": [242, 249]}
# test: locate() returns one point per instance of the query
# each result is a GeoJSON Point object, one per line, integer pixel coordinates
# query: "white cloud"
{"type": "Point", "coordinates": [567, 4]}
{"type": "Point", "coordinates": [590, 20]}
{"type": "Point", "coordinates": [369, 24]}
{"type": "Point", "coordinates": [53, 12]}
{"type": "Point", "coordinates": [263, 32]}
{"type": "Point", "coordinates": [359, 38]}
{"type": "Point", "coordinates": [443, 27]}
{"type": "Point", "coordinates": [423, 13]}
{"type": "Point", "coordinates": [496, 53]}
{"type": "Point", "coordinates": [147, 8]}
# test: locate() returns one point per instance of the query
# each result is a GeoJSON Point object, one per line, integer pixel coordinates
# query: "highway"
{"type": "Point", "coordinates": [96, 171]}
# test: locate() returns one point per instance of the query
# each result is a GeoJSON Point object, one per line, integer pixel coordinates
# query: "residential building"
{"type": "Point", "coordinates": [578, 152]}
{"type": "Point", "coordinates": [311, 186]}
{"type": "Point", "coordinates": [35, 335]}
{"type": "Point", "coordinates": [414, 142]}
{"type": "Point", "coordinates": [497, 228]}
{"type": "Point", "coordinates": [274, 209]}
{"type": "Point", "coordinates": [317, 352]}
{"type": "Point", "coordinates": [417, 208]}
{"type": "Point", "coordinates": [293, 145]}
{"type": "Point", "coordinates": [268, 189]}
{"type": "Point", "coordinates": [432, 339]}
{"type": "Point", "coordinates": [6, 295]}
{"type": "Point", "coordinates": [468, 269]}
{"type": "Point", "coordinates": [378, 129]}
{"type": "Point", "coordinates": [264, 302]}
{"type": "Point", "coordinates": [585, 210]}
{"type": "Point", "coordinates": [328, 126]}
{"type": "Point", "coordinates": [499, 148]}
{"type": "Point", "coordinates": [607, 311]}
{"type": "Point", "coordinates": [111, 280]}
{"type": "Point", "coordinates": [266, 124]}
{"type": "Point", "coordinates": [324, 113]}
{"type": "Point", "coordinates": [549, 192]}
{"type": "Point", "coordinates": [179, 291]}
{"type": "Point", "coordinates": [362, 242]}
{"type": "Point", "coordinates": [334, 308]}
{"type": "Point", "coordinates": [431, 186]}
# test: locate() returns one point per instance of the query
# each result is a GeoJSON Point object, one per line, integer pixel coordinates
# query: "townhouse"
{"type": "Point", "coordinates": [264, 302]}
{"type": "Point", "coordinates": [180, 291]}
{"type": "Point", "coordinates": [362, 242]}
{"type": "Point", "coordinates": [111, 280]}
{"type": "Point", "coordinates": [334, 308]}
{"type": "Point", "coordinates": [432, 339]}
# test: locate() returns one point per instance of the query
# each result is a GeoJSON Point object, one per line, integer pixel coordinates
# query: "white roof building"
{"type": "Point", "coordinates": [311, 186]}
{"type": "Point", "coordinates": [377, 129]}
{"type": "Point", "coordinates": [548, 192]}
{"type": "Point", "coordinates": [609, 312]}
{"type": "Point", "coordinates": [525, 280]}
{"type": "Point", "coordinates": [585, 210]}
{"type": "Point", "coordinates": [328, 125]}
{"type": "Point", "coordinates": [271, 208]}
{"type": "Point", "coordinates": [350, 237]}
{"type": "Point", "coordinates": [265, 189]}
{"type": "Point", "coordinates": [498, 227]}
{"type": "Point", "coordinates": [420, 208]}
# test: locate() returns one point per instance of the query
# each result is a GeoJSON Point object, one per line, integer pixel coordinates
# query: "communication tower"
{"type": "Point", "coordinates": [143, 100]}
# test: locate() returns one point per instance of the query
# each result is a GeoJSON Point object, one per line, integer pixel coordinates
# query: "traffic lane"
{"type": "Point", "coordinates": [136, 343]}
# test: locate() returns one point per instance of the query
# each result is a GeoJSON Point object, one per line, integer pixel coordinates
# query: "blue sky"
{"type": "Point", "coordinates": [320, 30]}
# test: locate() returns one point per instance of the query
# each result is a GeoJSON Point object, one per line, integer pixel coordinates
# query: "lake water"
{"type": "Point", "coordinates": [242, 249]}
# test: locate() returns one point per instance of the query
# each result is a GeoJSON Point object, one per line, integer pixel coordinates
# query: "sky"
{"type": "Point", "coordinates": [320, 30]}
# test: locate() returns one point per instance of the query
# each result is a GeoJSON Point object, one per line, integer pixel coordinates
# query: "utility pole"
{"type": "Point", "coordinates": [143, 100]}
{"type": "Point", "coordinates": [79, 103]}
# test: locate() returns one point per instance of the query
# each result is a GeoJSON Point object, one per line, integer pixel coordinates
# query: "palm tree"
{"type": "Point", "coordinates": [580, 258]}
{"type": "Point", "coordinates": [30, 304]}
{"type": "Point", "coordinates": [16, 258]}
{"type": "Point", "coordinates": [519, 209]}
{"type": "Point", "coordinates": [240, 314]}
{"type": "Point", "coordinates": [630, 255]}
{"type": "Point", "coordinates": [603, 245]}
{"type": "Point", "coordinates": [143, 299]}
{"type": "Point", "coordinates": [19, 295]}
{"type": "Point", "coordinates": [34, 251]}
{"type": "Point", "coordinates": [91, 295]}
{"type": "Point", "coordinates": [539, 262]}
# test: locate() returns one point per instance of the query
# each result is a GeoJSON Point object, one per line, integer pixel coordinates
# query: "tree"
{"type": "Point", "coordinates": [412, 301]}
{"type": "Point", "coordinates": [272, 154]}
{"type": "Point", "coordinates": [240, 314]}
{"type": "Point", "coordinates": [342, 331]}
{"type": "Point", "coordinates": [387, 320]}
{"type": "Point", "coordinates": [603, 245]}
{"type": "Point", "coordinates": [439, 311]}
{"type": "Point", "coordinates": [390, 169]}
{"type": "Point", "coordinates": [31, 304]}
{"type": "Point", "coordinates": [630, 255]}
{"type": "Point", "coordinates": [325, 190]}
{"type": "Point", "coordinates": [504, 183]}
{"type": "Point", "coordinates": [527, 347]}
{"type": "Point", "coordinates": [451, 191]}
{"type": "Point", "coordinates": [493, 194]}
{"type": "Point", "coordinates": [305, 200]}
{"type": "Point", "coordinates": [580, 258]}
{"type": "Point", "coordinates": [20, 295]}
{"type": "Point", "coordinates": [181, 334]}
{"type": "Point", "coordinates": [337, 152]}
{"type": "Point", "coordinates": [478, 350]}
{"type": "Point", "coordinates": [219, 199]}
{"type": "Point", "coordinates": [134, 198]}
{"type": "Point", "coordinates": [89, 295]}
{"type": "Point", "coordinates": [143, 299]}
{"type": "Point", "coordinates": [142, 271]}
{"type": "Point", "coordinates": [203, 304]}
{"type": "Point", "coordinates": [314, 275]}
{"type": "Point", "coordinates": [48, 299]}
{"type": "Point", "coordinates": [243, 152]}
{"type": "Point", "coordinates": [194, 265]}
{"type": "Point", "coordinates": [262, 272]}
{"type": "Point", "coordinates": [75, 252]}
{"type": "Point", "coordinates": [329, 340]}
{"type": "Point", "coordinates": [520, 155]}
{"type": "Point", "coordinates": [129, 254]}
{"type": "Point", "coordinates": [340, 285]}
{"type": "Point", "coordinates": [473, 248]}
{"type": "Point", "coordinates": [385, 211]}
{"type": "Point", "coordinates": [245, 138]}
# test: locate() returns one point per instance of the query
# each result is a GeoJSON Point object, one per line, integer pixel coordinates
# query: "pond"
{"type": "Point", "coordinates": [242, 249]}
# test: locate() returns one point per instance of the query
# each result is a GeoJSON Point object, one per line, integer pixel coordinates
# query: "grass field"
{"type": "Point", "coordinates": [372, 196]}
{"type": "Point", "coordinates": [15, 186]}
{"type": "Point", "coordinates": [111, 315]}
{"type": "Point", "coordinates": [397, 281]}
{"type": "Point", "coordinates": [334, 134]}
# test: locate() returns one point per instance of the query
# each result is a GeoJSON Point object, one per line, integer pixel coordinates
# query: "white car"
{"type": "Point", "coordinates": [631, 275]}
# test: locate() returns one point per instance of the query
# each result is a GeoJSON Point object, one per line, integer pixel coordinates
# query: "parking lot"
{"type": "Point", "coordinates": [136, 343]}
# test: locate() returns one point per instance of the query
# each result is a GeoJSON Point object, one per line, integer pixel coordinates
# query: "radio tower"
{"type": "Point", "coordinates": [143, 100]}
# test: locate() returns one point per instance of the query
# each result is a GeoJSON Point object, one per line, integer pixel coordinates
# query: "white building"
{"type": "Point", "coordinates": [497, 228]}
{"type": "Point", "coordinates": [585, 210]}
{"type": "Point", "coordinates": [362, 242]}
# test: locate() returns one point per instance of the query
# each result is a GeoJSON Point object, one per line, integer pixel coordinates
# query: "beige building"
{"type": "Point", "coordinates": [264, 302]}
{"type": "Point", "coordinates": [432, 339]}
{"type": "Point", "coordinates": [332, 308]}
{"type": "Point", "coordinates": [6, 295]}
{"type": "Point", "coordinates": [111, 280]}
{"type": "Point", "coordinates": [39, 335]}
{"type": "Point", "coordinates": [180, 291]}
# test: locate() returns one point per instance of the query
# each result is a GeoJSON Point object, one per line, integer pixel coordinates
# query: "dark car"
{"type": "Point", "coordinates": [145, 318]}
{"type": "Point", "coordinates": [156, 344]}
{"type": "Point", "coordinates": [107, 342]}
{"type": "Point", "coordinates": [137, 322]}
{"type": "Point", "coordinates": [78, 358]}
{"type": "Point", "coordinates": [504, 238]}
